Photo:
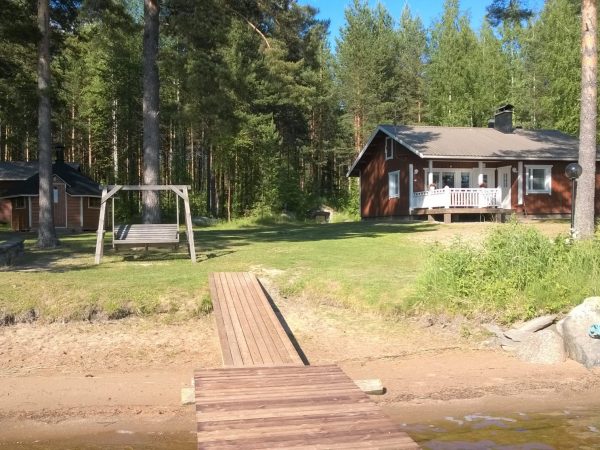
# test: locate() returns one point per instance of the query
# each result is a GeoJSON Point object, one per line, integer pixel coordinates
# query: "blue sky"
{"type": "Point", "coordinates": [428, 10]}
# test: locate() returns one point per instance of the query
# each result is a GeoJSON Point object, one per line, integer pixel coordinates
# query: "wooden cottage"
{"type": "Point", "coordinates": [425, 170]}
{"type": "Point", "coordinates": [76, 197]}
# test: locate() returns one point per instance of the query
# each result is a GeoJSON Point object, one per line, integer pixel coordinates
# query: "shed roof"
{"type": "Point", "coordinates": [429, 142]}
{"type": "Point", "coordinates": [77, 183]}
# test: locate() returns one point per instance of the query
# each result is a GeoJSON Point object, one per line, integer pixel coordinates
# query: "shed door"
{"type": "Point", "coordinates": [59, 201]}
{"type": "Point", "coordinates": [504, 181]}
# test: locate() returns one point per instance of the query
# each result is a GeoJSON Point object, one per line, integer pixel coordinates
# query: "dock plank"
{"type": "Point", "coordinates": [249, 331]}
{"type": "Point", "coordinates": [263, 413]}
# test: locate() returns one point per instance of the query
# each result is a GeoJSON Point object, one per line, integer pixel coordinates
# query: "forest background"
{"type": "Point", "coordinates": [257, 111]}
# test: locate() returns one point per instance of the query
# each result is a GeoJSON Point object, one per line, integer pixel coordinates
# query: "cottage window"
{"type": "Point", "coordinates": [394, 184]}
{"type": "Point", "coordinates": [539, 180]}
{"type": "Point", "coordinates": [55, 194]}
{"type": "Point", "coordinates": [389, 148]}
{"type": "Point", "coordinates": [94, 202]}
{"type": "Point", "coordinates": [19, 203]}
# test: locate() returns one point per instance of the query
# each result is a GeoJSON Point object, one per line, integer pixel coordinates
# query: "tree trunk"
{"type": "Point", "coordinates": [151, 204]}
{"type": "Point", "coordinates": [115, 142]}
{"type": "Point", "coordinates": [584, 207]}
{"type": "Point", "coordinates": [46, 232]}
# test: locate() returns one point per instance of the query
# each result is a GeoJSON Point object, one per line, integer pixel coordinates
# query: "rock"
{"type": "Point", "coordinates": [518, 335]}
{"type": "Point", "coordinates": [524, 331]}
{"type": "Point", "coordinates": [493, 329]}
{"type": "Point", "coordinates": [372, 386]}
{"type": "Point", "coordinates": [575, 326]}
{"type": "Point", "coordinates": [544, 347]}
{"type": "Point", "coordinates": [188, 396]}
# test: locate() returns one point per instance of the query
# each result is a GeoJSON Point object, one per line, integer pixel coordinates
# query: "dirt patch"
{"type": "Point", "coordinates": [61, 381]}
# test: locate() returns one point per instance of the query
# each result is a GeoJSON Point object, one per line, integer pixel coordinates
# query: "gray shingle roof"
{"type": "Point", "coordinates": [78, 184]}
{"type": "Point", "coordinates": [431, 142]}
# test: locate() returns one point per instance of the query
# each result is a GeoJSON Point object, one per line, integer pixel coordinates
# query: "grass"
{"type": "Point", "coordinates": [390, 268]}
{"type": "Point", "coordinates": [358, 265]}
{"type": "Point", "coordinates": [516, 273]}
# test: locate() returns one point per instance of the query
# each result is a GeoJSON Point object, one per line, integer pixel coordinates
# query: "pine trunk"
{"type": "Point", "coordinates": [46, 232]}
{"type": "Point", "coordinates": [151, 174]}
{"type": "Point", "coordinates": [584, 206]}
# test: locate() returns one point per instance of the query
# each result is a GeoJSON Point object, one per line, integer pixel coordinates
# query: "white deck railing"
{"type": "Point", "coordinates": [457, 198]}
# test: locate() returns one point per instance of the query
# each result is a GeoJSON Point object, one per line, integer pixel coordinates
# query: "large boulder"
{"type": "Point", "coordinates": [574, 329]}
{"type": "Point", "coordinates": [544, 347]}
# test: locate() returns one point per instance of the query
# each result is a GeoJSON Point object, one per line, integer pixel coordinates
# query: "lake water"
{"type": "Point", "coordinates": [561, 430]}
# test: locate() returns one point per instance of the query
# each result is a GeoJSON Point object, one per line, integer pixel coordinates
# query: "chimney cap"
{"type": "Point", "coordinates": [504, 108]}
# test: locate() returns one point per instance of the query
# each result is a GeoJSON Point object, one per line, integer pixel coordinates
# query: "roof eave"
{"type": "Point", "coordinates": [363, 151]}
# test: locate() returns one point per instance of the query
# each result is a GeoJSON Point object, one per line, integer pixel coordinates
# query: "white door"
{"type": "Point", "coordinates": [504, 181]}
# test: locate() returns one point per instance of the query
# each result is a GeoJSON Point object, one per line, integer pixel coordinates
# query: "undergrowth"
{"type": "Point", "coordinates": [517, 273]}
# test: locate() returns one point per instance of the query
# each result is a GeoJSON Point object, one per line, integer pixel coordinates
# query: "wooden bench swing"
{"type": "Point", "coordinates": [144, 235]}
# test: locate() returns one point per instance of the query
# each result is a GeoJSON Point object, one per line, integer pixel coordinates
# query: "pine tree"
{"type": "Point", "coordinates": [450, 72]}
{"type": "Point", "coordinates": [46, 232]}
{"type": "Point", "coordinates": [151, 145]}
{"type": "Point", "coordinates": [586, 185]}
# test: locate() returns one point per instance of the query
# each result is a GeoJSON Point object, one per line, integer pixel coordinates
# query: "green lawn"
{"type": "Point", "coordinates": [359, 265]}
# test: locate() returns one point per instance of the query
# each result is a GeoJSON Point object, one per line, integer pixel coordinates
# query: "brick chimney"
{"type": "Point", "coordinates": [503, 119]}
{"type": "Point", "coordinates": [59, 150]}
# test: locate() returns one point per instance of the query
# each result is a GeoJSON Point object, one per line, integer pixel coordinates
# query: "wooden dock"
{"type": "Point", "coordinates": [265, 397]}
{"type": "Point", "coordinates": [249, 331]}
{"type": "Point", "coordinates": [315, 407]}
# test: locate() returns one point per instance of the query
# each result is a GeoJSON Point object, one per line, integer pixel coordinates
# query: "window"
{"type": "Point", "coordinates": [19, 203]}
{"type": "Point", "coordinates": [55, 194]}
{"type": "Point", "coordinates": [465, 180]}
{"type": "Point", "coordinates": [94, 202]}
{"type": "Point", "coordinates": [539, 180]}
{"type": "Point", "coordinates": [447, 179]}
{"type": "Point", "coordinates": [394, 184]}
{"type": "Point", "coordinates": [389, 148]}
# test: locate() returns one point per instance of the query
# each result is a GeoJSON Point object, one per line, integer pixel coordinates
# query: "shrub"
{"type": "Point", "coordinates": [517, 273]}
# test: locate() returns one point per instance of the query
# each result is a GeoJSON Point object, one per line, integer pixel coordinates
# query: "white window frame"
{"type": "Point", "coordinates": [389, 148]}
{"type": "Point", "coordinates": [473, 179]}
{"type": "Point", "coordinates": [547, 179]}
{"type": "Point", "coordinates": [395, 173]}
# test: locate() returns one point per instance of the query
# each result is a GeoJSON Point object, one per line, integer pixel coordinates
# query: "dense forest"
{"type": "Point", "coordinates": [257, 111]}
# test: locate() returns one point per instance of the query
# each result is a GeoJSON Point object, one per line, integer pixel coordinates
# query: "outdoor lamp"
{"type": "Point", "coordinates": [573, 171]}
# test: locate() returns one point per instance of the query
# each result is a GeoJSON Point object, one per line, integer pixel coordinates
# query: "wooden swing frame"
{"type": "Point", "coordinates": [108, 192]}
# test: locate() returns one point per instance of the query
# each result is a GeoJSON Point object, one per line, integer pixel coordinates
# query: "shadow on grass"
{"type": "Point", "coordinates": [76, 251]}
{"type": "Point", "coordinates": [211, 239]}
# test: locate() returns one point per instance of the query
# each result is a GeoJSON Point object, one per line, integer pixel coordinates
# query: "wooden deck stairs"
{"type": "Point", "coordinates": [267, 396]}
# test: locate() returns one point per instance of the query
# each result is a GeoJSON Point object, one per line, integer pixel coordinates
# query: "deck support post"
{"type": "Point", "coordinates": [447, 218]}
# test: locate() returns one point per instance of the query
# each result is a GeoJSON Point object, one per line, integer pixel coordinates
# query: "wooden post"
{"type": "Point", "coordinates": [410, 188]}
{"type": "Point", "coordinates": [113, 221]}
{"type": "Point", "coordinates": [188, 223]}
{"type": "Point", "coordinates": [106, 194]}
{"type": "Point", "coordinates": [100, 231]}
{"type": "Point", "coordinates": [447, 197]}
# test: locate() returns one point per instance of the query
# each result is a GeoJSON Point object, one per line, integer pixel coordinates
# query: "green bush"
{"type": "Point", "coordinates": [517, 273]}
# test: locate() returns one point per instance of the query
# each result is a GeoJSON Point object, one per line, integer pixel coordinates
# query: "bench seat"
{"type": "Point", "coordinates": [147, 234]}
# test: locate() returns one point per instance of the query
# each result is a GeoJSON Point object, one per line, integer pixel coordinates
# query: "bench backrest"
{"type": "Point", "coordinates": [160, 232]}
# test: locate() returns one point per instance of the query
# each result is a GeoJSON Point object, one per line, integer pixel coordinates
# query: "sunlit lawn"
{"type": "Point", "coordinates": [360, 265]}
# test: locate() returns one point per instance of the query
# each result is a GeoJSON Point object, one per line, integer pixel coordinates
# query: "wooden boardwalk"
{"type": "Point", "coordinates": [266, 398]}
{"type": "Point", "coordinates": [315, 407]}
{"type": "Point", "coordinates": [249, 330]}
